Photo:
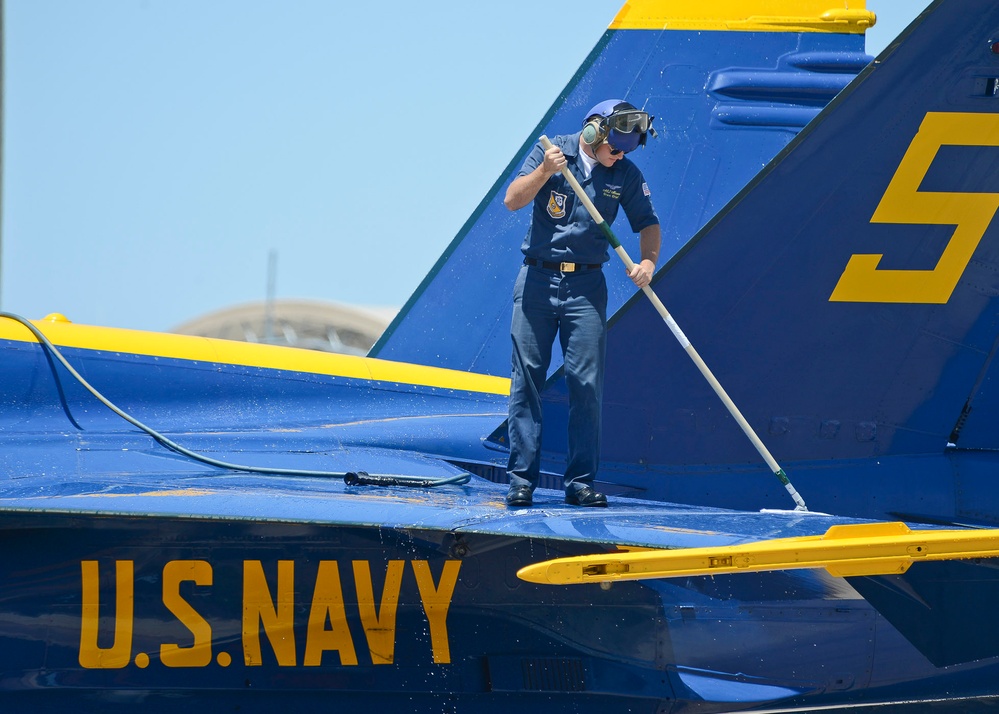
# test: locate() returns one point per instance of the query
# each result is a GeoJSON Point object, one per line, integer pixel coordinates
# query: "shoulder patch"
{"type": "Point", "coordinates": [645, 189]}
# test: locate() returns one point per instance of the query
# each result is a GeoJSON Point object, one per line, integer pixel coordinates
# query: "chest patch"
{"type": "Point", "coordinates": [556, 205]}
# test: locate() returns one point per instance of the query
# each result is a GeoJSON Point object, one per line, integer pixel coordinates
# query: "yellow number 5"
{"type": "Point", "coordinates": [902, 202]}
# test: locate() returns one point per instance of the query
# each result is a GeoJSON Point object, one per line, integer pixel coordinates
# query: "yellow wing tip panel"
{"type": "Point", "coordinates": [850, 16]}
{"type": "Point", "coordinates": [845, 551]}
{"type": "Point", "coordinates": [64, 333]}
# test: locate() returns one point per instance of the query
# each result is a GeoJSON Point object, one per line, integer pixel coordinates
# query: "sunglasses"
{"type": "Point", "coordinates": [615, 152]}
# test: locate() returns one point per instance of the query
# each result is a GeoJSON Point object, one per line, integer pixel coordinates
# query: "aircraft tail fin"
{"type": "Point", "coordinates": [847, 299]}
{"type": "Point", "coordinates": [730, 85]}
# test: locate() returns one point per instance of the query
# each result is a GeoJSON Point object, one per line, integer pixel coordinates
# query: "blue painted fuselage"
{"type": "Point", "coordinates": [205, 550]}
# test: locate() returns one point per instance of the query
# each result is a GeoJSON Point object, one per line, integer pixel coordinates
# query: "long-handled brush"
{"type": "Point", "coordinates": [682, 338]}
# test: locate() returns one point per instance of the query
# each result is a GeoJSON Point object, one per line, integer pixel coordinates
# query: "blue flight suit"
{"type": "Point", "coordinates": [547, 301]}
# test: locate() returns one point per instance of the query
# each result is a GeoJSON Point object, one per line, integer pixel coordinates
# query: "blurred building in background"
{"type": "Point", "coordinates": [309, 324]}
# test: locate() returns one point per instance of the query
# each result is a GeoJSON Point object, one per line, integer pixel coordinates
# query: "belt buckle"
{"type": "Point", "coordinates": [567, 267]}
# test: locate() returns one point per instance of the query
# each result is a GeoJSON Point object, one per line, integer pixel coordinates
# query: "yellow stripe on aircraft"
{"type": "Point", "coordinates": [848, 550]}
{"type": "Point", "coordinates": [846, 16]}
{"type": "Point", "coordinates": [63, 333]}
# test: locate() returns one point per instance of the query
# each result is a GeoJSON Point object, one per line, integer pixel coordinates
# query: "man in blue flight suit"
{"type": "Point", "coordinates": [561, 287]}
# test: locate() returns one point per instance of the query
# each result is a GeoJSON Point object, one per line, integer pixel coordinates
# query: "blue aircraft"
{"type": "Point", "coordinates": [198, 523]}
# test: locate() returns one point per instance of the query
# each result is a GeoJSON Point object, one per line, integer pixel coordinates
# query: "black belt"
{"type": "Point", "coordinates": [562, 267]}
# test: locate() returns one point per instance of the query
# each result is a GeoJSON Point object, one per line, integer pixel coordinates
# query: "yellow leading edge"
{"type": "Point", "coordinates": [64, 333]}
{"type": "Point", "coordinates": [849, 550]}
{"type": "Point", "coordinates": [844, 16]}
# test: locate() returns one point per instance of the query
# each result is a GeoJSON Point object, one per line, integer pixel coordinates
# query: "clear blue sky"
{"type": "Point", "coordinates": [156, 151]}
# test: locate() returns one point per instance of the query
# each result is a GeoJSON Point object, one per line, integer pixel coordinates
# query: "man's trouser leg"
{"type": "Point", "coordinates": [532, 331]}
{"type": "Point", "coordinates": [583, 337]}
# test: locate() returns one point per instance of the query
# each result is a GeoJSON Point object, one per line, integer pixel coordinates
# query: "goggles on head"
{"type": "Point", "coordinates": [629, 120]}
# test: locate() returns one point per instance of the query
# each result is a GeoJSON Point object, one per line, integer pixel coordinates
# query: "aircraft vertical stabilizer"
{"type": "Point", "coordinates": [729, 84]}
{"type": "Point", "coordinates": [847, 300]}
